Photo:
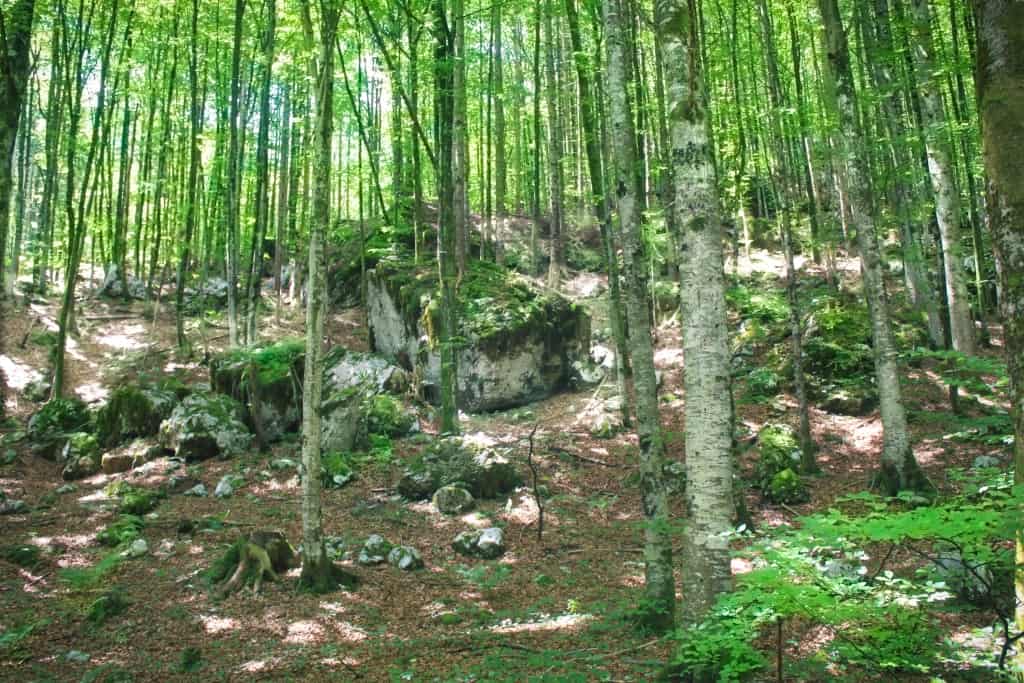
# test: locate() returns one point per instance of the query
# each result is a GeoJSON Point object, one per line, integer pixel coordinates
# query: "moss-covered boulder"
{"type": "Point", "coordinates": [130, 455]}
{"type": "Point", "coordinates": [471, 463]}
{"type": "Point", "coordinates": [779, 451]}
{"type": "Point", "coordinates": [518, 343]}
{"type": "Point", "coordinates": [452, 500]}
{"type": "Point", "coordinates": [344, 369]}
{"type": "Point", "coordinates": [786, 487]}
{"type": "Point", "coordinates": [50, 426]}
{"type": "Point", "coordinates": [204, 426]}
{"type": "Point", "coordinates": [133, 412]}
{"type": "Point", "coordinates": [267, 380]}
{"type": "Point", "coordinates": [81, 456]}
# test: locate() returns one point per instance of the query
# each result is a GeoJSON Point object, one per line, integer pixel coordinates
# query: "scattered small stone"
{"type": "Point", "coordinates": [604, 426]}
{"type": "Point", "coordinates": [77, 656]}
{"type": "Point", "coordinates": [66, 488]}
{"type": "Point", "coordinates": [335, 546]}
{"type": "Point", "coordinates": [283, 464]}
{"type": "Point", "coordinates": [375, 550]}
{"type": "Point", "coordinates": [199, 491]}
{"type": "Point", "coordinates": [453, 500]}
{"type": "Point", "coordinates": [13, 507]}
{"type": "Point", "coordinates": [138, 548]}
{"type": "Point", "coordinates": [227, 485]}
{"type": "Point", "coordinates": [405, 557]}
{"type": "Point", "coordinates": [487, 544]}
{"type": "Point", "coordinates": [986, 461]}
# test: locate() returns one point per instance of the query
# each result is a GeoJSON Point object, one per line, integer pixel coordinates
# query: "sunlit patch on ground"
{"type": "Point", "coordinates": [215, 624]}
{"type": "Point", "coordinates": [124, 340]}
{"type": "Point", "coordinates": [304, 633]}
{"type": "Point", "coordinates": [543, 623]}
{"type": "Point", "coordinates": [19, 375]}
{"type": "Point", "coordinates": [347, 631]}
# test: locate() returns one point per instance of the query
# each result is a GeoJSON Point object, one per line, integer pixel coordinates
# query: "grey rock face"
{"type": "Point", "coordinates": [474, 465]}
{"type": "Point", "coordinates": [486, 544]}
{"type": "Point", "coordinates": [405, 557]}
{"type": "Point", "coordinates": [204, 426]}
{"type": "Point", "coordinates": [374, 551]}
{"type": "Point", "coordinates": [452, 500]}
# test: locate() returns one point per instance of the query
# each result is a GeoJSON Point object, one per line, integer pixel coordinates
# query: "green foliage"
{"type": "Point", "coordinates": [11, 639]}
{"type": "Point", "coordinates": [190, 661]}
{"type": "Point", "coordinates": [122, 531]}
{"type": "Point", "coordinates": [838, 343]}
{"type": "Point", "coordinates": [110, 604]}
{"type": "Point", "coordinates": [132, 412]}
{"type": "Point", "coordinates": [336, 470]}
{"type": "Point", "coordinates": [484, 576]}
{"type": "Point", "coordinates": [982, 375]}
{"type": "Point", "coordinates": [84, 578]}
{"type": "Point", "coordinates": [386, 416]}
{"type": "Point", "coordinates": [763, 383]}
{"type": "Point", "coordinates": [776, 467]}
{"type": "Point", "coordinates": [879, 621]}
{"type": "Point", "coordinates": [225, 565]}
{"type": "Point", "coordinates": [761, 304]}
{"type": "Point", "coordinates": [787, 487]}
{"type": "Point", "coordinates": [139, 502]}
{"type": "Point", "coordinates": [273, 361]}
{"type": "Point", "coordinates": [23, 555]}
{"type": "Point", "coordinates": [52, 423]}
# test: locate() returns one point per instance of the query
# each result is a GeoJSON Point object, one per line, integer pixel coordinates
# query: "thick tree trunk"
{"type": "Point", "coordinates": [899, 467]}
{"type": "Point", "coordinates": [659, 610]}
{"type": "Point", "coordinates": [1000, 82]}
{"type": "Point", "coordinates": [709, 458]}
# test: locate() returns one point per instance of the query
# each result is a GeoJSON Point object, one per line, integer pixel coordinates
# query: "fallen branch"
{"type": "Point", "coordinates": [595, 461]}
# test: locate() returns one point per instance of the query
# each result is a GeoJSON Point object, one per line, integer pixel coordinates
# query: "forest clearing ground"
{"type": "Point", "coordinates": [555, 605]}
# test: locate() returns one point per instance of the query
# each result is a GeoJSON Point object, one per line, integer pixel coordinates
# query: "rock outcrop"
{"type": "Point", "coordinates": [518, 343]}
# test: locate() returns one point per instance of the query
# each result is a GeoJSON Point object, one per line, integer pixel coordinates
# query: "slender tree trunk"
{"type": "Point", "coordinates": [588, 119]}
{"type": "Point", "coordinates": [900, 470]}
{"type": "Point", "coordinates": [555, 177]}
{"type": "Point", "coordinates": [51, 143]}
{"type": "Point", "coordinates": [195, 116]}
{"type": "Point", "coordinates": [1000, 83]}
{"type": "Point", "coordinates": [283, 194]}
{"type": "Point", "coordinates": [15, 46]}
{"type": "Point", "coordinates": [234, 180]}
{"type": "Point", "coordinates": [940, 167]}
{"type": "Point", "coordinates": [255, 278]}
{"type": "Point", "coordinates": [317, 570]}
{"type": "Point", "coordinates": [500, 166]}
{"type": "Point", "coordinates": [659, 612]}
{"type": "Point", "coordinates": [709, 458]}
{"type": "Point", "coordinates": [446, 104]}
{"type": "Point", "coordinates": [460, 135]}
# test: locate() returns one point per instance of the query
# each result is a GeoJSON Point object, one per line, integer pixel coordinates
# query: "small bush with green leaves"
{"type": "Point", "coordinates": [882, 621]}
{"type": "Point", "coordinates": [125, 529]}
{"type": "Point", "coordinates": [133, 500]}
{"type": "Point", "coordinates": [336, 470]}
{"type": "Point", "coordinates": [763, 383]}
{"type": "Point", "coordinates": [763, 304]}
{"type": "Point", "coordinates": [385, 415]}
{"type": "Point", "coordinates": [51, 424]}
{"type": "Point", "coordinates": [23, 555]}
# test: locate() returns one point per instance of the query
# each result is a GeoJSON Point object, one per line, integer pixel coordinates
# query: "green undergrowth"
{"type": "Point", "coordinates": [272, 361]}
{"type": "Point", "coordinates": [132, 500]}
{"type": "Point", "coordinates": [874, 575]}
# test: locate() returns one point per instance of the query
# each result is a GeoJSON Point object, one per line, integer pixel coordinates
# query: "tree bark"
{"type": "Point", "coordinates": [317, 570]}
{"type": "Point", "coordinates": [659, 603]}
{"type": "Point", "coordinates": [709, 458]}
{"type": "Point", "coordinates": [899, 470]}
{"type": "Point", "coordinates": [1000, 83]}
{"type": "Point", "coordinates": [940, 167]}
{"type": "Point", "coordinates": [234, 180]}
{"type": "Point", "coordinates": [15, 46]}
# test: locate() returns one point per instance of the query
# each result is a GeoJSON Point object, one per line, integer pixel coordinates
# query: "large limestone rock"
{"type": "Point", "coordinates": [133, 412]}
{"type": "Point", "coordinates": [267, 380]}
{"type": "Point", "coordinates": [519, 343]}
{"type": "Point", "coordinates": [117, 286]}
{"type": "Point", "coordinates": [204, 426]}
{"type": "Point", "coordinates": [81, 455]}
{"type": "Point", "coordinates": [471, 462]}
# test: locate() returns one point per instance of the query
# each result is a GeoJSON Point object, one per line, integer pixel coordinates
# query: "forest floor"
{"type": "Point", "coordinates": [555, 607]}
